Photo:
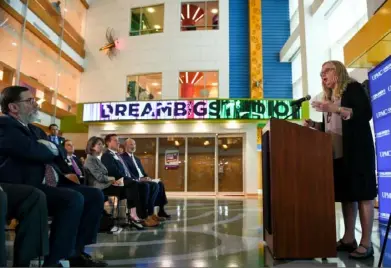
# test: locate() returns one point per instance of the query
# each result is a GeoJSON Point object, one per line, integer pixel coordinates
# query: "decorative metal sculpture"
{"type": "Point", "coordinates": [111, 48]}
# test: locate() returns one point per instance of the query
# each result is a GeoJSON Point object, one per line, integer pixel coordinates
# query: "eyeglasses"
{"type": "Point", "coordinates": [326, 71]}
{"type": "Point", "coordinates": [29, 100]}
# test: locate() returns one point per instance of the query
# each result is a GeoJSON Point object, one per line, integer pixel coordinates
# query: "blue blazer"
{"type": "Point", "coordinates": [22, 157]}
{"type": "Point", "coordinates": [132, 168]}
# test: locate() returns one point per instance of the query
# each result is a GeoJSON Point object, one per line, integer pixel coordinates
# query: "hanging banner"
{"type": "Point", "coordinates": [171, 159]}
{"type": "Point", "coordinates": [221, 109]}
{"type": "Point", "coordinates": [380, 92]}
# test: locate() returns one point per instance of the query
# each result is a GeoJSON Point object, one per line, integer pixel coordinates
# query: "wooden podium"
{"type": "Point", "coordinates": [298, 191]}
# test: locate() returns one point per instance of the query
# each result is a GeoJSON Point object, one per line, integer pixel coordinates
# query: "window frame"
{"type": "Point", "coordinates": [205, 27]}
{"type": "Point", "coordinates": [141, 16]}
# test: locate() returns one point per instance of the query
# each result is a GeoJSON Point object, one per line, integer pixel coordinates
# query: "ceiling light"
{"type": "Point", "coordinates": [225, 146]}
{"type": "Point", "coordinates": [155, 84]}
{"type": "Point", "coordinates": [51, 88]}
{"type": "Point", "coordinates": [159, 93]}
{"type": "Point", "coordinates": [14, 44]}
{"type": "Point", "coordinates": [206, 143]}
{"type": "Point", "coordinates": [157, 27]}
{"type": "Point", "coordinates": [38, 61]}
{"type": "Point", "coordinates": [151, 10]}
{"type": "Point", "coordinates": [177, 143]}
{"type": "Point", "coordinates": [215, 11]}
{"type": "Point", "coordinates": [59, 74]}
{"type": "Point", "coordinates": [215, 84]}
{"type": "Point", "coordinates": [66, 10]}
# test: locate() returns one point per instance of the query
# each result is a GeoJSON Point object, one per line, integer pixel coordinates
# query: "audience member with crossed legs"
{"type": "Point", "coordinates": [117, 168]}
{"type": "Point", "coordinates": [29, 158]}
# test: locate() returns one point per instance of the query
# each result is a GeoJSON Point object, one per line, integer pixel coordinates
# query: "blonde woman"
{"type": "Point", "coordinates": [346, 114]}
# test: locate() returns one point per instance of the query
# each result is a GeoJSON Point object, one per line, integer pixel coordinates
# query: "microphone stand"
{"type": "Point", "coordinates": [295, 109]}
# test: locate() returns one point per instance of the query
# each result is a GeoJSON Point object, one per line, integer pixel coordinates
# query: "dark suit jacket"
{"type": "Point", "coordinates": [22, 157]}
{"type": "Point", "coordinates": [78, 163]}
{"type": "Point", "coordinates": [114, 167]}
{"type": "Point", "coordinates": [132, 168]}
{"type": "Point", "coordinates": [61, 140]}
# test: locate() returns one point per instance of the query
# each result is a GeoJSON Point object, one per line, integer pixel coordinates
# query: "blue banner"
{"type": "Point", "coordinates": [380, 92]}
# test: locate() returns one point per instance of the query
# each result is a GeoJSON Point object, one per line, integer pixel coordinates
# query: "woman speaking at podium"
{"type": "Point", "coordinates": [346, 114]}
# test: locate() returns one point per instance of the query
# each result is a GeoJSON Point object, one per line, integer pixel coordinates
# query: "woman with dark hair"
{"type": "Point", "coordinates": [97, 176]}
{"type": "Point", "coordinates": [346, 114]}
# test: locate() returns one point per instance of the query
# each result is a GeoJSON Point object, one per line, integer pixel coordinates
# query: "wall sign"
{"type": "Point", "coordinates": [380, 91]}
{"type": "Point", "coordinates": [223, 109]}
{"type": "Point", "coordinates": [171, 159]}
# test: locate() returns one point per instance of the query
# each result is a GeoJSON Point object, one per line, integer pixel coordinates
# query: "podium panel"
{"type": "Point", "coordinates": [298, 192]}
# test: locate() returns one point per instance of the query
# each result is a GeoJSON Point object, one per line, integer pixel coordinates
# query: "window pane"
{"type": "Point", "coordinates": [144, 87]}
{"type": "Point", "coordinates": [200, 16]}
{"type": "Point", "coordinates": [201, 165]}
{"type": "Point", "coordinates": [135, 21]}
{"type": "Point", "coordinates": [230, 164]}
{"type": "Point", "coordinates": [200, 84]}
{"type": "Point", "coordinates": [147, 20]}
{"type": "Point", "coordinates": [212, 17]}
{"type": "Point", "coordinates": [171, 163]}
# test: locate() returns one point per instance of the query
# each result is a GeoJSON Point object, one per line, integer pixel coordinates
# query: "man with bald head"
{"type": "Point", "coordinates": [136, 169]}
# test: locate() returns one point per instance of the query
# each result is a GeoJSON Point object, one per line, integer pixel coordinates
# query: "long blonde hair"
{"type": "Point", "coordinates": [343, 79]}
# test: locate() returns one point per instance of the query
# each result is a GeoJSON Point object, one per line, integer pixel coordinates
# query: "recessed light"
{"type": "Point", "coordinates": [59, 74]}
{"type": "Point", "coordinates": [66, 10]}
{"type": "Point", "coordinates": [151, 10]}
{"type": "Point", "coordinates": [155, 84]}
{"type": "Point", "coordinates": [51, 88]}
{"type": "Point", "coordinates": [215, 11]}
{"type": "Point", "coordinates": [14, 44]}
{"type": "Point", "coordinates": [159, 93]}
{"type": "Point", "coordinates": [215, 84]}
{"type": "Point", "coordinates": [38, 61]}
{"type": "Point", "coordinates": [157, 27]}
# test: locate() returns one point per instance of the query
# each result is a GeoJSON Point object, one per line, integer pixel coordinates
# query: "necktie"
{"type": "Point", "coordinates": [50, 177]}
{"type": "Point", "coordinates": [140, 174]}
{"type": "Point", "coordinates": [75, 167]}
{"type": "Point", "coordinates": [127, 173]}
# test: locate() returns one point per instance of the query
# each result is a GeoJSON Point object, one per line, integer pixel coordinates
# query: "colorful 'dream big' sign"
{"type": "Point", "coordinates": [380, 91]}
{"type": "Point", "coordinates": [222, 109]}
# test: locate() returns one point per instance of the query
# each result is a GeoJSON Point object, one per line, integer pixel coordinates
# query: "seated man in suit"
{"type": "Point", "coordinates": [117, 168]}
{"type": "Point", "coordinates": [53, 136]}
{"type": "Point", "coordinates": [28, 205]}
{"type": "Point", "coordinates": [136, 169]}
{"type": "Point", "coordinates": [73, 161]}
{"type": "Point", "coordinates": [27, 157]}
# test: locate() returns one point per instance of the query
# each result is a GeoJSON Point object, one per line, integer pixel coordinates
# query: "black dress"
{"type": "Point", "coordinates": [354, 174]}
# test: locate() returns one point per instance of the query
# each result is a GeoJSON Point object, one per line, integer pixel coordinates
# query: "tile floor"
{"type": "Point", "coordinates": [211, 233]}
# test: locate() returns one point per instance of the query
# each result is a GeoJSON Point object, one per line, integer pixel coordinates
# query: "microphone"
{"type": "Point", "coordinates": [298, 102]}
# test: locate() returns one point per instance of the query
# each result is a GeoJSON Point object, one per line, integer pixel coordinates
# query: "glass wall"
{"type": "Point", "coordinates": [188, 163]}
{"type": "Point", "coordinates": [203, 15]}
{"type": "Point", "coordinates": [33, 51]}
{"type": "Point", "coordinates": [198, 84]}
{"type": "Point", "coordinates": [147, 20]}
{"type": "Point", "coordinates": [172, 162]}
{"type": "Point", "coordinates": [144, 87]}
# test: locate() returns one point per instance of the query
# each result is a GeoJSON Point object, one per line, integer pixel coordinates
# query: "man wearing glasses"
{"type": "Point", "coordinates": [27, 157]}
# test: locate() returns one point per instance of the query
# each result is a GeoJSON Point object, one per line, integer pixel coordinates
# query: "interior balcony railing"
{"type": "Point", "coordinates": [47, 13]}
{"type": "Point", "coordinates": [45, 96]}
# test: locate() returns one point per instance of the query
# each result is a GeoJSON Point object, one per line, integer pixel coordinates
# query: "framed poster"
{"type": "Point", "coordinates": [171, 160]}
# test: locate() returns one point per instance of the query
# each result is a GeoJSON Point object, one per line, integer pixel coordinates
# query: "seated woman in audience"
{"type": "Point", "coordinates": [96, 176]}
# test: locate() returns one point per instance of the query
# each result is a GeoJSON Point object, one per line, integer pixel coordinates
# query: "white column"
{"type": "Point", "coordinates": [314, 50]}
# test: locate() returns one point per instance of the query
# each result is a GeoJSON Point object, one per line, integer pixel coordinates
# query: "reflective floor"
{"type": "Point", "coordinates": [211, 233]}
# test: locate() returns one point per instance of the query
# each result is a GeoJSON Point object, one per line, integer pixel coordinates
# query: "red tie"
{"type": "Point", "coordinates": [50, 177]}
